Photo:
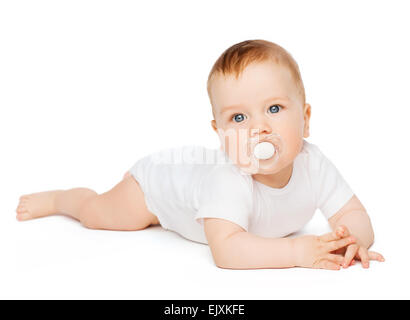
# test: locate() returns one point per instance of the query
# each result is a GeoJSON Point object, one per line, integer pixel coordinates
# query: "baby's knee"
{"type": "Point", "coordinates": [90, 213]}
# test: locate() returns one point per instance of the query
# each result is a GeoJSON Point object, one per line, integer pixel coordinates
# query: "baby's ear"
{"type": "Point", "coordinates": [213, 124]}
{"type": "Point", "coordinates": [306, 117]}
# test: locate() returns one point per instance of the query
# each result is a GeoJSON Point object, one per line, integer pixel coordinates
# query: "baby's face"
{"type": "Point", "coordinates": [263, 102]}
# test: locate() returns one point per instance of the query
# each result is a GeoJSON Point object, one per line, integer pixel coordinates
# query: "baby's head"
{"type": "Point", "coordinates": [256, 92]}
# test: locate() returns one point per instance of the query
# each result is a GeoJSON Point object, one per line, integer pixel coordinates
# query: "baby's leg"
{"type": "Point", "coordinates": [121, 208]}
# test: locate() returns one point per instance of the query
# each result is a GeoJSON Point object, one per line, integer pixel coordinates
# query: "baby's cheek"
{"type": "Point", "coordinates": [293, 142]}
{"type": "Point", "coordinates": [235, 145]}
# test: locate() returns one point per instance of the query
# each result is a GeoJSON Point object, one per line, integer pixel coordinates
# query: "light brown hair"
{"type": "Point", "coordinates": [237, 57]}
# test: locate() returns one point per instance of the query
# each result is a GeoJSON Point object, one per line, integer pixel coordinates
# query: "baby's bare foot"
{"type": "Point", "coordinates": [36, 205]}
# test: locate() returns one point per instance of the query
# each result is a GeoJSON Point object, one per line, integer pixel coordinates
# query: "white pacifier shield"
{"type": "Point", "coordinates": [264, 150]}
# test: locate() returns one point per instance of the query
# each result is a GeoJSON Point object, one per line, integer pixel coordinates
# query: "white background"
{"type": "Point", "coordinates": [89, 87]}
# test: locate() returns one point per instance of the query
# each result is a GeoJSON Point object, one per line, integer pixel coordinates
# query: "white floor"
{"type": "Point", "coordinates": [55, 257]}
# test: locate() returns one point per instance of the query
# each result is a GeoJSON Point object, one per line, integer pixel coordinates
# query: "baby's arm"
{"type": "Point", "coordinates": [234, 248]}
{"type": "Point", "coordinates": [353, 215]}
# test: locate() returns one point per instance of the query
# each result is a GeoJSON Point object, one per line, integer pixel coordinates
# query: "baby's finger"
{"type": "Point", "coordinates": [364, 257]}
{"type": "Point", "coordinates": [342, 231]}
{"type": "Point", "coordinates": [349, 255]}
{"type": "Point", "coordinates": [330, 265]}
{"type": "Point", "coordinates": [335, 235]}
{"type": "Point", "coordinates": [375, 256]}
{"type": "Point", "coordinates": [335, 258]}
{"type": "Point", "coordinates": [334, 245]}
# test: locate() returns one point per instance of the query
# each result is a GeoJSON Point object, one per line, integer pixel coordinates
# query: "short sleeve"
{"type": "Point", "coordinates": [225, 194]}
{"type": "Point", "coordinates": [331, 189]}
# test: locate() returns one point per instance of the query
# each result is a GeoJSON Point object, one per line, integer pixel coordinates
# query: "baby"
{"type": "Point", "coordinates": [264, 183]}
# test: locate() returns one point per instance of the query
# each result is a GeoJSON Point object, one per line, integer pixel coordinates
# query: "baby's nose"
{"type": "Point", "coordinates": [260, 123]}
{"type": "Point", "coordinates": [260, 129]}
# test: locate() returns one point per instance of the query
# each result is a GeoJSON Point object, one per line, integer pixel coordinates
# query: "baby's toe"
{"type": "Point", "coordinates": [22, 212]}
{"type": "Point", "coordinates": [24, 197]}
{"type": "Point", "coordinates": [23, 216]}
{"type": "Point", "coordinates": [21, 208]}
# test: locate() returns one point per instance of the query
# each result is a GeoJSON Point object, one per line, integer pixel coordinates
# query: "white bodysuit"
{"type": "Point", "coordinates": [183, 185]}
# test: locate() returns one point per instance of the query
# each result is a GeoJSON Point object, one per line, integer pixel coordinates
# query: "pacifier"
{"type": "Point", "coordinates": [264, 150]}
{"type": "Point", "coordinates": [257, 153]}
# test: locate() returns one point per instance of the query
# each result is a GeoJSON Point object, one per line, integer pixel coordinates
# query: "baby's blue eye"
{"type": "Point", "coordinates": [275, 108]}
{"type": "Point", "coordinates": [238, 117]}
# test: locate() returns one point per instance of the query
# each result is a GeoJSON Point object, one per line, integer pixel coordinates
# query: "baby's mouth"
{"type": "Point", "coordinates": [264, 156]}
{"type": "Point", "coordinates": [259, 149]}
{"type": "Point", "coordinates": [264, 150]}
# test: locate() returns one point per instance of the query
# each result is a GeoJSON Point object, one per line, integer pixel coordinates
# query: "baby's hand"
{"type": "Point", "coordinates": [356, 251]}
{"type": "Point", "coordinates": [317, 251]}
